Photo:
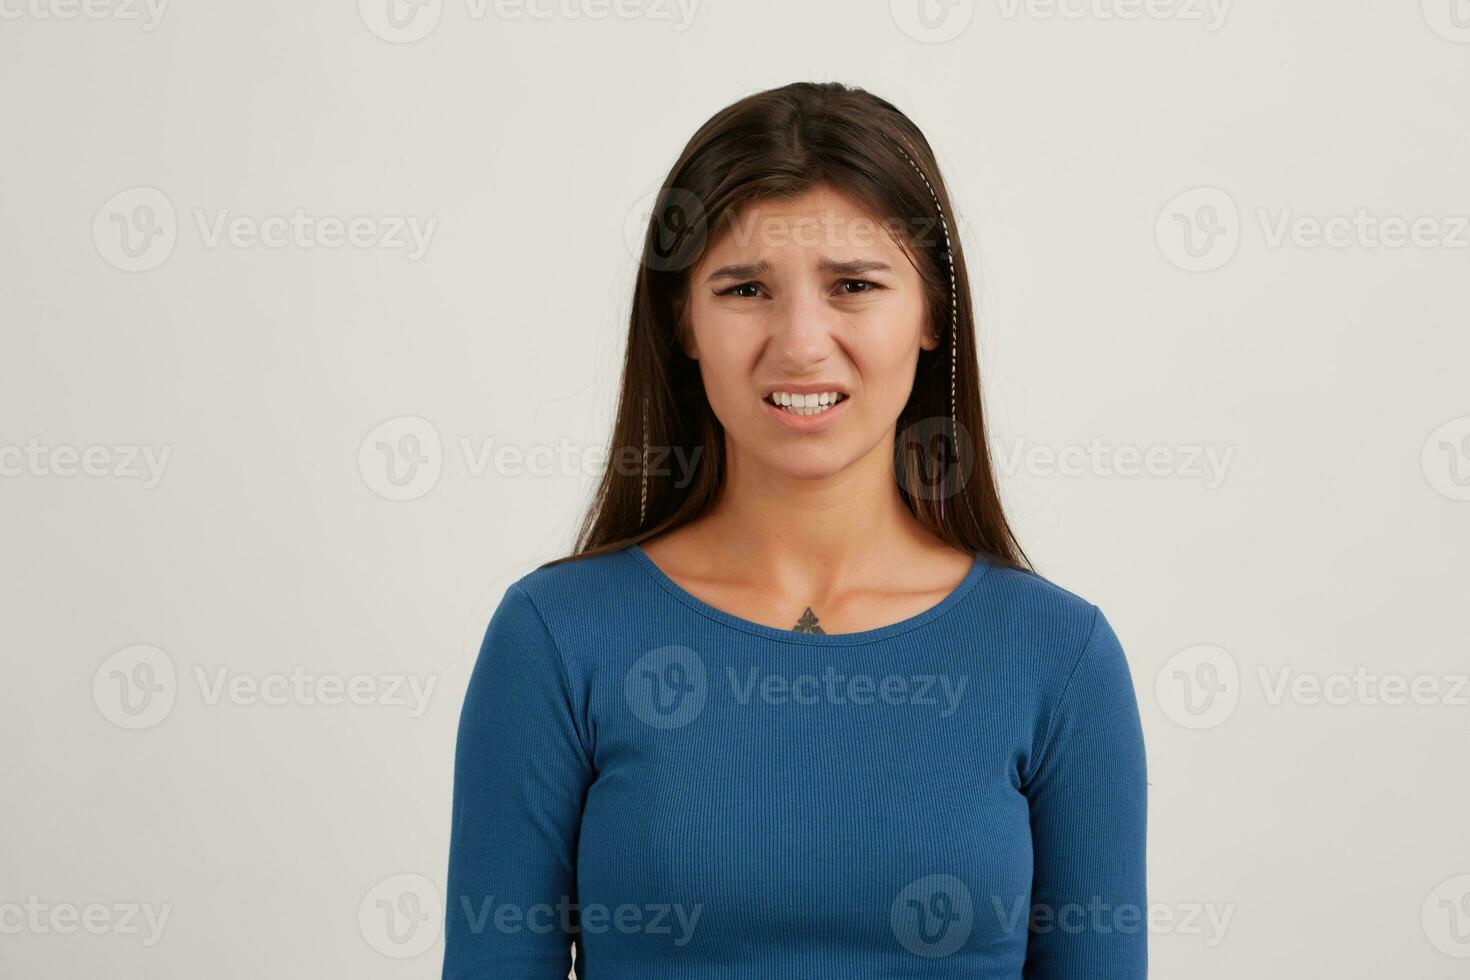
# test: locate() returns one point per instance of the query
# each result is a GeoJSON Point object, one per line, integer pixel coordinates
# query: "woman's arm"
{"type": "Point", "coordinates": [1088, 798]}
{"type": "Point", "coordinates": [521, 769]}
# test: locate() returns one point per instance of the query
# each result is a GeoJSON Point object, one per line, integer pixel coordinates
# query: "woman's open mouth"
{"type": "Point", "coordinates": [814, 404]}
{"type": "Point", "coordinates": [800, 412]}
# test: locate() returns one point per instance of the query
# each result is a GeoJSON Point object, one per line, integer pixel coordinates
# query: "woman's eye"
{"type": "Point", "coordinates": [848, 287]}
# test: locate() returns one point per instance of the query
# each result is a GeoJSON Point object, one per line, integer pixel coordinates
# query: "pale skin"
{"type": "Point", "coordinates": [810, 529]}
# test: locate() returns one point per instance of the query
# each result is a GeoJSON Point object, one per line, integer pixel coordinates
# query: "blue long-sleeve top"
{"type": "Point", "coordinates": [685, 793]}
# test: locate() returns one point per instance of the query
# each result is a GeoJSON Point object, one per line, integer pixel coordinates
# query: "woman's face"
{"type": "Point", "coordinates": [807, 296]}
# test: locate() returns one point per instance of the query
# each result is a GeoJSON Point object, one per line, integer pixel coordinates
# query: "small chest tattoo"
{"type": "Point", "coordinates": [808, 623]}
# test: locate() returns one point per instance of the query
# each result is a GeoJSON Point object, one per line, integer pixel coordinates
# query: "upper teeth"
{"type": "Point", "coordinates": [805, 404]}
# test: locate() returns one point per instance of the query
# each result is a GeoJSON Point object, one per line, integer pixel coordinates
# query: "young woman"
{"type": "Point", "coordinates": [797, 707]}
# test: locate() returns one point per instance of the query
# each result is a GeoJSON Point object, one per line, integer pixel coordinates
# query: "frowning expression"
{"type": "Point", "coordinates": [807, 317]}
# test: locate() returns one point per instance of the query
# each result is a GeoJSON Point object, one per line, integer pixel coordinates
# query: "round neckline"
{"type": "Point", "coordinates": [977, 569]}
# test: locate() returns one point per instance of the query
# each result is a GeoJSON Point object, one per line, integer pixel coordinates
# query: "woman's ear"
{"type": "Point", "coordinates": [686, 340]}
{"type": "Point", "coordinates": [930, 339]}
{"type": "Point", "coordinates": [683, 333]}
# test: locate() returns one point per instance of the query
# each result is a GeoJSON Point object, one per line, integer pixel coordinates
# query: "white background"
{"type": "Point", "coordinates": [1079, 142]}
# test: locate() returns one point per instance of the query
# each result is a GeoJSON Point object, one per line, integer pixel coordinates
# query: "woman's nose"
{"type": "Point", "coordinates": [803, 324]}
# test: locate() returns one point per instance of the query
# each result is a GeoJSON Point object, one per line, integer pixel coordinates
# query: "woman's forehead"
{"type": "Point", "coordinates": [819, 226]}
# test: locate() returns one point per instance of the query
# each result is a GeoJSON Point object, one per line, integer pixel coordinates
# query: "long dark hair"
{"type": "Point", "coordinates": [776, 145]}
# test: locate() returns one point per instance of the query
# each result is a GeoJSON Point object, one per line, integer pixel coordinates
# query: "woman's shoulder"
{"type": "Point", "coordinates": [1059, 644]}
{"type": "Point", "coordinates": [1052, 624]}
{"type": "Point", "coordinates": [1034, 597]}
{"type": "Point", "coordinates": [579, 586]}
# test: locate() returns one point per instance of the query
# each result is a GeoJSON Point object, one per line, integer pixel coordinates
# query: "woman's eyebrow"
{"type": "Point", "coordinates": [851, 267]}
{"type": "Point", "coordinates": [746, 271]}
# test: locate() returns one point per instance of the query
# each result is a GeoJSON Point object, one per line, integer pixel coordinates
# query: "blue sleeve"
{"type": "Point", "coordinates": [1088, 801]}
{"type": "Point", "coordinates": [521, 769]}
